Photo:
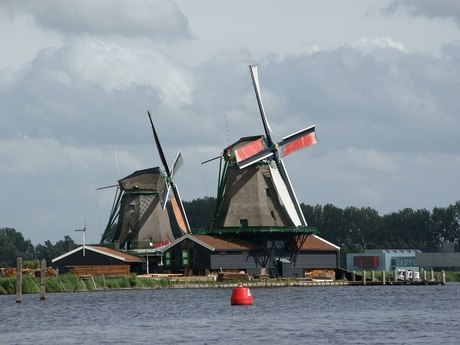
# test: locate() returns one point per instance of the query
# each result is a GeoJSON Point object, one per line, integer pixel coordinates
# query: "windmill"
{"type": "Point", "coordinates": [255, 194]}
{"type": "Point", "coordinates": [256, 162]}
{"type": "Point", "coordinates": [140, 203]}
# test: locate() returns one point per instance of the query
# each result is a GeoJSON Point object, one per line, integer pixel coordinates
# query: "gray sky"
{"type": "Point", "coordinates": [379, 79]}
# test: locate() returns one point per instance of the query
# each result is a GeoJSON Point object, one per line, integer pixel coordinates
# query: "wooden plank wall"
{"type": "Point", "coordinates": [97, 270]}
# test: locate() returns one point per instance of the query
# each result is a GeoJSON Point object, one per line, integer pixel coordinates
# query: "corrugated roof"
{"type": "Point", "coordinates": [317, 243]}
{"type": "Point", "coordinates": [225, 243]}
{"type": "Point", "coordinates": [104, 251]}
{"type": "Point", "coordinates": [119, 254]}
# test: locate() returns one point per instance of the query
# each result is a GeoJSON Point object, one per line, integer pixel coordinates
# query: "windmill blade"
{"type": "Point", "coordinates": [166, 192]}
{"type": "Point", "coordinates": [255, 158]}
{"type": "Point", "coordinates": [114, 185]}
{"type": "Point", "coordinates": [178, 163]}
{"type": "Point", "coordinates": [255, 82]}
{"type": "Point", "coordinates": [179, 211]}
{"type": "Point", "coordinates": [293, 202]}
{"type": "Point", "coordinates": [212, 159]}
{"type": "Point", "coordinates": [297, 141]}
{"type": "Point", "coordinates": [249, 150]}
{"type": "Point", "coordinates": [160, 150]}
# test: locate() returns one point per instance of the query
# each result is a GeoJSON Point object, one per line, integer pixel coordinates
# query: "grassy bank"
{"type": "Point", "coordinates": [69, 282]}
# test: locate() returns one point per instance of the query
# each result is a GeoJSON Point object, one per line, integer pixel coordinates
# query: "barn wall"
{"type": "Point", "coordinates": [316, 260]}
{"type": "Point", "coordinates": [234, 260]}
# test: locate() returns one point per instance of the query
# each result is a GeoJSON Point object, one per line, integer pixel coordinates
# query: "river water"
{"type": "Point", "coordinates": [289, 315]}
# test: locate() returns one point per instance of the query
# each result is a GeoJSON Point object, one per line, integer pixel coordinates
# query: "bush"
{"type": "Point", "coordinates": [8, 284]}
{"type": "Point", "coordinates": [32, 264]}
{"type": "Point", "coordinates": [30, 284]}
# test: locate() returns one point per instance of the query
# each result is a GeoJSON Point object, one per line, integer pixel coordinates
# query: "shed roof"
{"type": "Point", "coordinates": [119, 255]}
{"type": "Point", "coordinates": [314, 242]}
{"type": "Point", "coordinates": [216, 242]}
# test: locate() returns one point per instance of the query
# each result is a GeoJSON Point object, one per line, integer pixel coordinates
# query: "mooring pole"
{"type": "Point", "coordinates": [383, 277]}
{"type": "Point", "coordinates": [19, 281]}
{"type": "Point", "coordinates": [43, 280]}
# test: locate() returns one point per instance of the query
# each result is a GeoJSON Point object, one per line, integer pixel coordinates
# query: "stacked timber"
{"type": "Point", "coordinates": [50, 272]}
{"type": "Point", "coordinates": [11, 271]}
{"type": "Point", "coordinates": [320, 274]}
{"type": "Point", "coordinates": [221, 276]}
{"type": "Point", "coordinates": [98, 270]}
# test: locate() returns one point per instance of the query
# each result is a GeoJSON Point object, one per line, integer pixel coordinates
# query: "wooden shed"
{"type": "Point", "coordinates": [95, 260]}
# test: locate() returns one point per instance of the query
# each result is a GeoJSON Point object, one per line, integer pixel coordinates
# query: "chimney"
{"type": "Point", "coordinates": [117, 245]}
{"type": "Point", "coordinates": [68, 245]}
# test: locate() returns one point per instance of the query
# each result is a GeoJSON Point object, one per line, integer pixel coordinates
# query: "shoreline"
{"type": "Point", "coordinates": [230, 285]}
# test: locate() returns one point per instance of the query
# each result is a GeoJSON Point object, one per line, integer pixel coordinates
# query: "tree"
{"type": "Point", "coordinates": [12, 246]}
{"type": "Point", "coordinates": [48, 251]}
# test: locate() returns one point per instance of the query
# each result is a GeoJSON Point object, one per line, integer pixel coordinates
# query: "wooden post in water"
{"type": "Point", "coordinates": [353, 276]}
{"type": "Point", "coordinates": [431, 275]}
{"type": "Point", "coordinates": [43, 280]}
{"type": "Point", "coordinates": [372, 276]}
{"type": "Point", "coordinates": [364, 277]}
{"type": "Point", "coordinates": [383, 277]}
{"type": "Point", "coordinates": [395, 278]}
{"type": "Point", "coordinates": [424, 275]}
{"type": "Point", "coordinates": [443, 275]}
{"type": "Point", "coordinates": [19, 280]}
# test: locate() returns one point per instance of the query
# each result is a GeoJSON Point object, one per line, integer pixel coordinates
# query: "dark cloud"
{"type": "Point", "coordinates": [158, 19]}
{"type": "Point", "coordinates": [427, 8]}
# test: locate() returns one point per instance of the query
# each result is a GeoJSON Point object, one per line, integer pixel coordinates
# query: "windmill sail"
{"type": "Point", "coordinates": [297, 141]}
{"type": "Point", "coordinates": [176, 202]}
{"type": "Point", "coordinates": [288, 145]}
{"type": "Point", "coordinates": [285, 197]}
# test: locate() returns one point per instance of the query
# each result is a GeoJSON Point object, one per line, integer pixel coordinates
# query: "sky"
{"type": "Point", "coordinates": [379, 79]}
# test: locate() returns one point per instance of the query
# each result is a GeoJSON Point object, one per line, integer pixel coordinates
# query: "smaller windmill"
{"type": "Point", "coordinates": [140, 203]}
{"type": "Point", "coordinates": [176, 201]}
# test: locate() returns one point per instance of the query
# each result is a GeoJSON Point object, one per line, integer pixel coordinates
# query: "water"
{"type": "Point", "coordinates": [297, 315]}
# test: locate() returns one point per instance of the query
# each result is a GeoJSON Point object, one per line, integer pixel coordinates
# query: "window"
{"type": "Point", "coordinates": [267, 192]}
{"type": "Point", "coordinates": [131, 208]}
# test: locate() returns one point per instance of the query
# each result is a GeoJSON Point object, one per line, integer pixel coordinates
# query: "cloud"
{"type": "Point", "coordinates": [427, 8]}
{"type": "Point", "coordinates": [156, 19]}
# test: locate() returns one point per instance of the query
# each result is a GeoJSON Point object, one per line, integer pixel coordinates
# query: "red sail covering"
{"type": "Point", "coordinates": [299, 143]}
{"type": "Point", "coordinates": [249, 150]}
{"type": "Point", "coordinates": [178, 214]}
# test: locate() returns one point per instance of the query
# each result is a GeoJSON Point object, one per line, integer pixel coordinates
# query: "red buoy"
{"type": "Point", "coordinates": [241, 296]}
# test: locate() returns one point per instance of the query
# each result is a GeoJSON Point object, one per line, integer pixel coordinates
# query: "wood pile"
{"type": "Point", "coordinates": [50, 272]}
{"type": "Point", "coordinates": [221, 276]}
{"type": "Point", "coordinates": [320, 274]}
{"type": "Point", "coordinates": [98, 270]}
{"type": "Point", "coordinates": [11, 271]}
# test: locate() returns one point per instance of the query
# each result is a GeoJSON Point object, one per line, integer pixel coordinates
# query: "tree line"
{"type": "Point", "coordinates": [13, 246]}
{"type": "Point", "coordinates": [352, 229]}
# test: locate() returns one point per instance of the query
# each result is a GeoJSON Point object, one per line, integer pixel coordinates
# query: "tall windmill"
{"type": "Point", "coordinates": [255, 183]}
{"type": "Point", "coordinates": [176, 202]}
{"type": "Point", "coordinates": [256, 201]}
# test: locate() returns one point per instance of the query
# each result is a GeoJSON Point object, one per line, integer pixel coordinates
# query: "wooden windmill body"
{"type": "Point", "coordinates": [141, 221]}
